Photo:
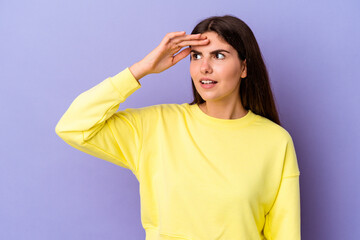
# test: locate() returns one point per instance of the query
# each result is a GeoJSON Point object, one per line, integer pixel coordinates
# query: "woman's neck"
{"type": "Point", "coordinates": [223, 110]}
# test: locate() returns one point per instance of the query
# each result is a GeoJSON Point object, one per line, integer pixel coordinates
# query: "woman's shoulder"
{"type": "Point", "coordinates": [157, 110]}
{"type": "Point", "coordinates": [163, 107]}
{"type": "Point", "coordinates": [270, 128]}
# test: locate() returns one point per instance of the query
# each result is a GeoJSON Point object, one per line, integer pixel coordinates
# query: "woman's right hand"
{"type": "Point", "coordinates": [163, 56]}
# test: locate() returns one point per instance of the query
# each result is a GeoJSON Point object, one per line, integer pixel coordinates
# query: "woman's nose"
{"type": "Point", "coordinates": [205, 67]}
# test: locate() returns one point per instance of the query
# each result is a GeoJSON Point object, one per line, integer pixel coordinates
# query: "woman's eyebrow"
{"type": "Point", "coordinates": [213, 52]}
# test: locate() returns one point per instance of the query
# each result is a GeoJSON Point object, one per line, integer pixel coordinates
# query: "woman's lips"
{"type": "Point", "coordinates": [207, 85]}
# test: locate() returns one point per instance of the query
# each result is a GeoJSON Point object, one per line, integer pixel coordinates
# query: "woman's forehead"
{"type": "Point", "coordinates": [216, 42]}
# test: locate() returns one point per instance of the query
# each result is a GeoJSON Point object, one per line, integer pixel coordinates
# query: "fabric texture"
{"type": "Point", "coordinates": [200, 177]}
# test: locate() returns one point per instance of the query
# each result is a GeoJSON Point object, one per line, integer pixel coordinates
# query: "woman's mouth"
{"type": "Point", "coordinates": [208, 83]}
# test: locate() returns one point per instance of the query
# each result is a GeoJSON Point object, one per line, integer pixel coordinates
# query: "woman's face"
{"type": "Point", "coordinates": [217, 61]}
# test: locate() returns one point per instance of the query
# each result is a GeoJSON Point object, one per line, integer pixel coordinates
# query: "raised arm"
{"type": "Point", "coordinates": [91, 123]}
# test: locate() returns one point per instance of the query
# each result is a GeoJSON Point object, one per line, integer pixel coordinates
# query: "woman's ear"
{"type": "Point", "coordinates": [243, 69]}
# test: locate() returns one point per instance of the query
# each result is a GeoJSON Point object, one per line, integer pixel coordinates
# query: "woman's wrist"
{"type": "Point", "coordinates": [139, 70]}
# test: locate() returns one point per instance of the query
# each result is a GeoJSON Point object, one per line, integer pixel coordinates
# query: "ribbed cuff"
{"type": "Point", "coordinates": [125, 83]}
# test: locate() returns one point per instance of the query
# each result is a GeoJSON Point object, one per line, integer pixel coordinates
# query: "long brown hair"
{"type": "Point", "coordinates": [255, 90]}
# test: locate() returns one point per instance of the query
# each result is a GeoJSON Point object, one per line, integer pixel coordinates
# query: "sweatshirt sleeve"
{"type": "Point", "coordinates": [92, 125]}
{"type": "Point", "coordinates": [283, 220]}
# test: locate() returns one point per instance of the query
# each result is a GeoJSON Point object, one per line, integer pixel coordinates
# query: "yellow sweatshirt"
{"type": "Point", "coordinates": [200, 177]}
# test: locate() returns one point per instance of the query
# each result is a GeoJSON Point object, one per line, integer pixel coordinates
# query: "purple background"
{"type": "Point", "coordinates": [51, 51]}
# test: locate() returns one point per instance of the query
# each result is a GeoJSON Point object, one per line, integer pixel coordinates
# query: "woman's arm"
{"type": "Point", "coordinates": [283, 222]}
{"type": "Point", "coordinates": [91, 123]}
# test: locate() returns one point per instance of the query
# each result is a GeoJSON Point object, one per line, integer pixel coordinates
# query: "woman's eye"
{"type": "Point", "coordinates": [196, 56]}
{"type": "Point", "coordinates": [220, 56]}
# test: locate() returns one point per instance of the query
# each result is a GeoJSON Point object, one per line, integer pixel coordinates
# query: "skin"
{"type": "Point", "coordinates": [218, 61]}
{"type": "Point", "coordinates": [163, 56]}
{"type": "Point", "coordinates": [222, 101]}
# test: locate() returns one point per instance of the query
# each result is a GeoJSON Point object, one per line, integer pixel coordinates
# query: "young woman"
{"type": "Point", "coordinates": [219, 168]}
